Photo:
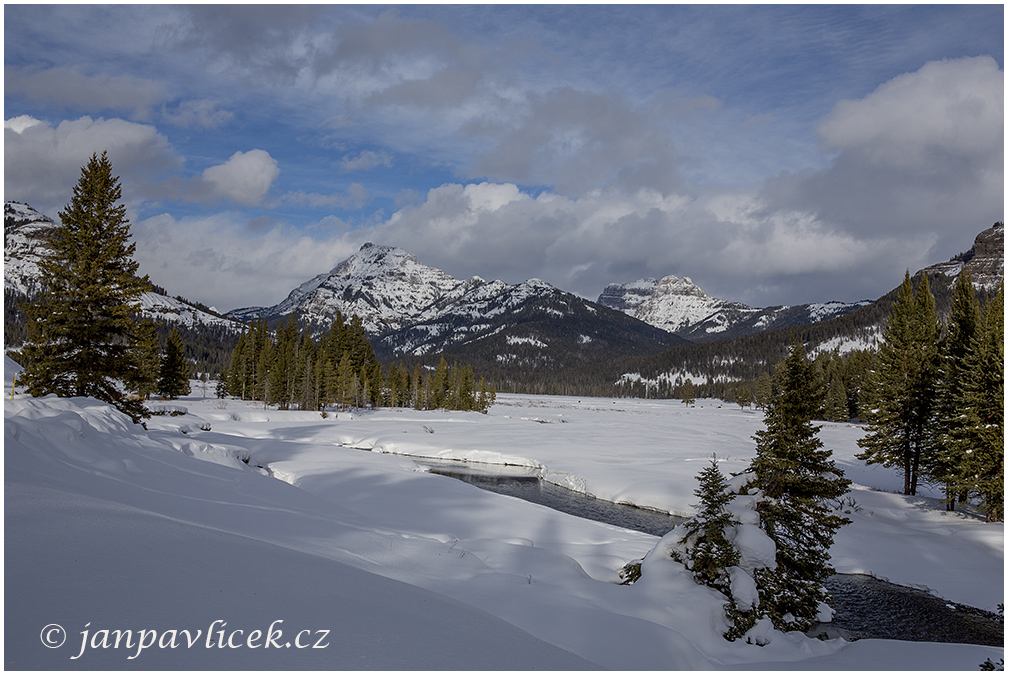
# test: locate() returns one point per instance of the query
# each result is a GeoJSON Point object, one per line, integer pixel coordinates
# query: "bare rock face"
{"type": "Point", "coordinates": [985, 260]}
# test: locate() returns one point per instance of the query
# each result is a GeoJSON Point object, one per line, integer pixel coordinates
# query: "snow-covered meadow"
{"type": "Point", "coordinates": [329, 526]}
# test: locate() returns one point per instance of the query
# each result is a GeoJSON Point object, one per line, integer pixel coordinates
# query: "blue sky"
{"type": "Point", "coordinates": [774, 154]}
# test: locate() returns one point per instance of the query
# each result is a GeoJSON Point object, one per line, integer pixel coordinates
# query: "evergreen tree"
{"type": "Point", "coordinates": [82, 325]}
{"type": "Point", "coordinates": [706, 551]}
{"type": "Point", "coordinates": [796, 477]}
{"type": "Point", "coordinates": [902, 389]}
{"type": "Point", "coordinates": [956, 349]}
{"type": "Point", "coordinates": [147, 355]}
{"type": "Point", "coordinates": [836, 404]}
{"type": "Point", "coordinates": [174, 379]}
{"type": "Point", "coordinates": [687, 392]}
{"type": "Point", "coordinates": [980, 438]}
{"type": "Point", "coordinates": [743, 397]}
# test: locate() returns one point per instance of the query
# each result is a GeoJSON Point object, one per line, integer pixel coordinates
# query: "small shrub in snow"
{"type": "Point", "coordinates": [631, 572]}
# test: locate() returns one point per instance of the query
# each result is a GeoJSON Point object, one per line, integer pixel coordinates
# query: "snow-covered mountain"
{"type": "Point", "coordinates": [416, 309]}
{"type": "Point", "coordinates": [26, 242]}
{"type": "Point", "coordinates": [387, 287]}
{"type": "Point", "coordinates": [681, 307]}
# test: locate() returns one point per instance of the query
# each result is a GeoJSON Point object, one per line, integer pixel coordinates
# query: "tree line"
{"type": "Point", "coordinates": [290, 368]}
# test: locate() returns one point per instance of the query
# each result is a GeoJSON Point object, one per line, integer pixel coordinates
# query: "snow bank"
{"type": "Point", "coordinates": [125, 528]}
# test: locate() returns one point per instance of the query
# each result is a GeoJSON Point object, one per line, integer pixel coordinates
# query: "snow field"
{"type": "Point", "coordinates": [123, 528]}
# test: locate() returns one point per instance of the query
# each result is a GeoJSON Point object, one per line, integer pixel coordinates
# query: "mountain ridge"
{"type": "Point", "coordinates": [412, 309]}
{"type": "Point", "coordinates": [679, 306]}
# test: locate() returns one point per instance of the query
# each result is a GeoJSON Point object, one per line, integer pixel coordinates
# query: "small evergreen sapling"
{"type": "Point", "coordinates": [707, 550]}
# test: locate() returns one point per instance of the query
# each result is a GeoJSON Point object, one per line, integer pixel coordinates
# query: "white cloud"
{"type": "Point", "coordinates": [20, 123]}
{"type": "Point", "coordinates": [946, 111]}
{"type": "Point", "coordinates": [245, 178]}
{"type": "Point", "coordinates": [42, 163]}
{"type": "Point", "coordinates": [221, 260]}
{"type": "Point", "coordinates": [920, 158]}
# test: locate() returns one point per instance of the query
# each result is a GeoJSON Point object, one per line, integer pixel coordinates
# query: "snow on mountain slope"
{"type": "Point", "coordinates": [417, 309]}
{"type": "Point", "coordinates": [681, 307]}
{"type": "Point", "coordinates": [386, 286]}
{"type": "Point", "coordinates": [26, 234]}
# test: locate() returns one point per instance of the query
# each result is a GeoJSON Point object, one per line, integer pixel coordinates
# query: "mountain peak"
{"type": "Point", "coordinates": [674, 286]}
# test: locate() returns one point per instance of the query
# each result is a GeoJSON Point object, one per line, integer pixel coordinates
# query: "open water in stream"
{"type": "Point", "coordinates": [864, 607]}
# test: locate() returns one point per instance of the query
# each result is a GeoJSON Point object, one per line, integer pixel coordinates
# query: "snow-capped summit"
{"type": "Point", "coordinates": [387, 287]}
{"type": "Point", "coordinates": [679, 306]}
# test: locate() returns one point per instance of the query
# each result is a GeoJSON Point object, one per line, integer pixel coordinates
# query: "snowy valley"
{"type": "Point", "coordinates": [236, 514]}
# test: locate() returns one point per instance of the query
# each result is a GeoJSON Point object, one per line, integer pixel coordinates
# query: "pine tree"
{"type": "Point", "coordinates": [836, 404]}
{"type": "Point", "coordinates": [902, 389]}
{"type": "Point", "coordinates": [174, 379]}
{"type": "Point", "coordinates": [962, 327]}
{"type": "Point", "coordinates": [797, 478]}
{"type": "Point", "coordinates": [980, 438]}
{"type": "Point", "coordinates": [687, 392]}
{"type": "Point", "coordinates": [147, 354]}
{"type": "Point", "coordinates": [707, 553]}
{"type": "Point", "coordinates": [82, 325]}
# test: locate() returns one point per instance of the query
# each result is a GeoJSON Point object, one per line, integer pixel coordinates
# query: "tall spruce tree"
{"type": "Point", "coordinates": [902, 388]}
{"type": "Point", "coordinates": [796, 477]}
{"type": "Point", "coordinates": [82, 326]}
{"type": "Point", "coordinates": [956, 349]}
{"type": "Point", "coordinates": [980, 438]}
{"type": "Point", "coordinates": [174, 380]}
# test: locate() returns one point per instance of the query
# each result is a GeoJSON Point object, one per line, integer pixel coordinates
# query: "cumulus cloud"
{"type": "Point", "coordinates": [20, 123]}
{"type": "Point", "coordinates": [229, 262]}
{"type": "Point", "coordinates": [725, 241]}
{"type": "Point", "coordinates": [245, 178]}
{"type": "Point", "coordinates": [42, 162]}
{"type": "Point", "coordinates": [921, 158]}
{"type": "Point", "coordinates": [947, 111]}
